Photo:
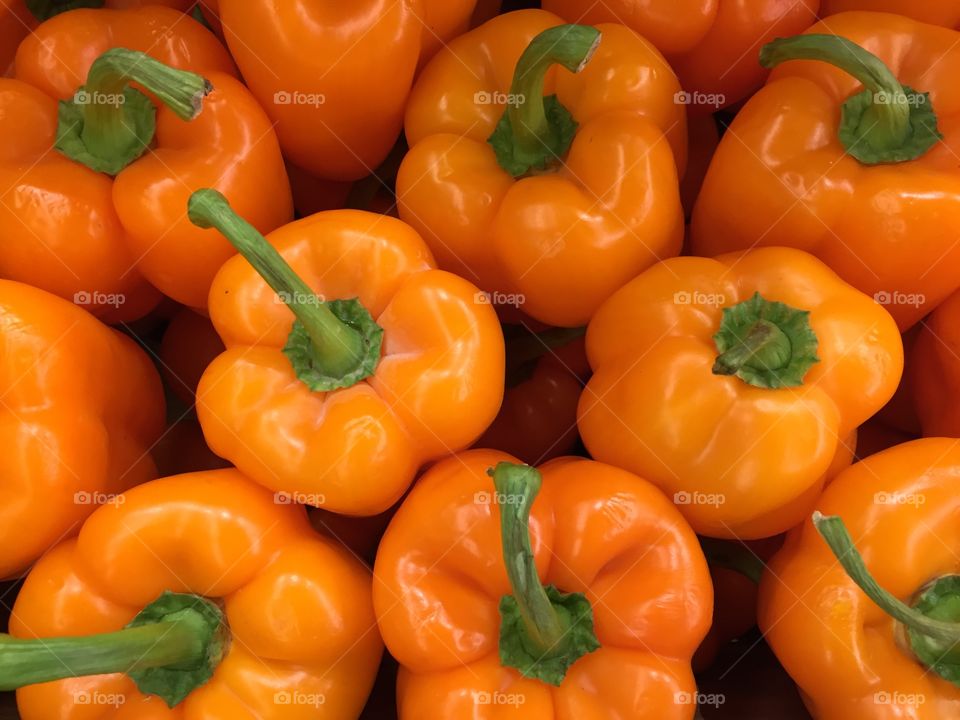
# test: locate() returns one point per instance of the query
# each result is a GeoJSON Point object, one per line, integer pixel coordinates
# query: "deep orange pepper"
{"type": "Point", "coordinates": [182, 449]}
{"type": "Point", "coordinates": [347, 414]}
{"type": "Point", "coordinates": [711, 44]}
{"type": "Point", "coordinates": [292, 623]}
{"type": "Point", "coordinates": [936, 12]}
{"type": "Point", "coordinates": [81, 233]}
{"type": "Point", "coordinates": [189, 345]}
{"type": "Point", "coordinates": [713, 375]}
{"type": "Point", "coordinates": [16, 22]}
{"type": "Point", "coordinates": [839, 642]}
{"type": "Point", "coordinates": [556, 243]}
{"type": "Point", "coordinates": [460, 544]}
{"type": "Point", "coordinates": [933, 369]}
{"type": "Point", "coordinates": [538, 418]}
{"type": "Point", "coordinates": [82, 407]}
{"type": "Point", "coordinates": [704, 139]}
{"type": "Point", "coordinates": [335, 77]}
{"type": "Point", "coordinates": [876, 197]}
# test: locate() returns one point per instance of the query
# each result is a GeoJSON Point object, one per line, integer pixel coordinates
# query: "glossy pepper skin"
{"type": "Point", "coordinates": [72, 230]}
{"type": "Point", "coordinates": [437, 385]}
{"type": "Point", "coordinates": [655, 405]}
{"type": "Point", "coordinates": [562, 241]}
{"type": "Point", "coordinates": [710, 44]}
{"type": "Point", "coordinates": [594, 529]}
{"type": "Point", "coordinates": [933, 370]}
{"type": "Point", "coordinates": [890, 228]}
{"type": "Point", "coordinates": [77, 391]}
{"type": "Point", "coordinates": [297, 606]}
{"type": "Point", "coordinates": [339, 107]}
{"type": "Point", "coordinates": [842, 650]}
{"type": "Point", "coordinates": [935, 12]}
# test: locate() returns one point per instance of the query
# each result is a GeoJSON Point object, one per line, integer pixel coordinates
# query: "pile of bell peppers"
{"type": "Point", "coordinates": [447, 359]}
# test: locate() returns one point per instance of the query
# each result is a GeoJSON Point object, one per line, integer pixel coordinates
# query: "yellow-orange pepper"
{"type": "Point", "coordinates": [936, 12]}
{"type": "Point", "coordinates": [710, 44]}
{"type": "Point", "coordinates": [850, 153]}
{"type": "Point", "coordinates": [736, 383]}
{"type": "Point", "coordinates": [865, 620]}
{"type": "Point", "coordinates": [193, 596]}
{"type": "Point", "coordinates": [74, 230]}
{"type": "Point", "coordinates": [391, 363]}
{"type": "Point", "coordinates": [334, 77]}
{"type": "Point", "coordinates": [82, 407]}
{"type": "Point", "coordinates": [548, 204]}
{"type": "Point", "coordinates": [460, 598]}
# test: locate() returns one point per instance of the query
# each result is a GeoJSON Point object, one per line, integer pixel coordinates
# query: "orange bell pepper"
{"type": "Point", "coordinates": [549, 204]}
{"type": "Point", "coordinates": [190, 343]}
{"type": "Point", "coordinates": [194, 596]}
{"type": "Point", "coordinates": [538, 418]}
{"type": "Point", "coordinates": [835, 156]}
{"type": "Point", "coordinates": [865, 620]}
{"type": "Point", "coordinates": [341, 408]}
{"type": "Point", "coordinates": [704, 139]}
{"type": "Point", "coordinates": [334, 78]}
{"type": "Point", "coordinates": [710, 44]}
{"type": "Point", "coordinates": [713, 375]}
{"type": "Point", "coordinates": [82, 407]}
{"type": "Point", "coordinates": [75, 231]}
{"type": "Point", "coordinates": [16, 22]}
{"type": "Point", "coordinates": [628, 600]}
{"type": "Point", "coordinates": [182, 449]}
{"type": "Point", "coordinates": [934, 371]}
{"type": "Point", "coordinates": [935, 12]}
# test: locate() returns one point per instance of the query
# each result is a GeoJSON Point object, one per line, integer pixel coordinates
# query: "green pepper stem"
{"type": "Point", "coordinates": [108, 124]}
{"type": "Point", "coordinates": [889, 122]}
{"type": "Point", "coordinates": [571, 46]}
{"type": "Point", "coordinates": [764, 345]}
{"type": "Point", "coordinates": [26, 662]}
{"type": "Point", "coordinates": [517, 487]}
{"type": "Point", "coordinates": [337, 347]}
{"type": "Point", "coordinates": [169, 649]}
{"type": "Point", "coordinates": [946, 635]}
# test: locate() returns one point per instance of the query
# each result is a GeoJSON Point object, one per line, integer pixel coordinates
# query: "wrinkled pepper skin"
{"type": "Point", "coordinates": [712, 442]}
{"type": "Point", "coordinates": [335, 77]}
{"type": "Point", "coordinates": [594, 529]}
{"type": "Point", "coordinates": [710, 44]}
{"type": "Point", "coordinates": [76, 232]}
{"type": "Point", "coordinates": [839, 647]}
{"type": "Point", "coordinates": [438, 384]}
{"type": "Point", "coordinates": [935, 12]}
{"type": "Point", "coordinates": [75, 390]}
{"type": "Point", "coordinates": [298, 605]}
{"type": "Point", "coordinates": [934, 371]}
{"type": "Point", "coordinates": [888, 229]}
{"type": "Point", "coordinates": [564, 240]}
